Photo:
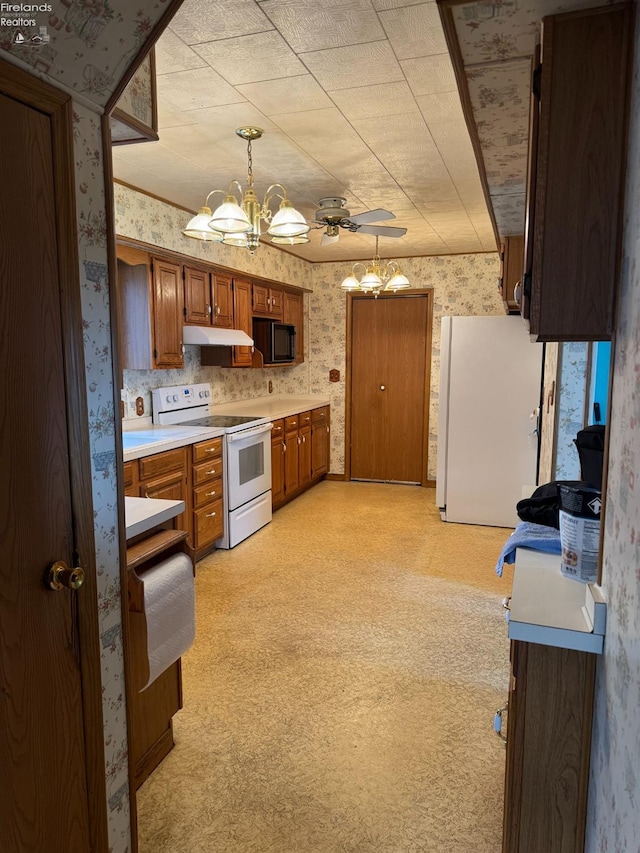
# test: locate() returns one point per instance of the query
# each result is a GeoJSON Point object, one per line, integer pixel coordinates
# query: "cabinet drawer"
{"type": "Point", "coordinates": [304, 419]}
{"type": "Point", "coordinates": [277, 429]}
{"type": "Point", "coordinates": [291, 423]}
{"type": "Point", "coordinates": [207, 492]}
{"type": "Point", "coordinates": [130, 470]}
{"type": "Point", "coordinates": [207, 449]}
{"type": "Point", "coordinates": [206, 471]}
{"type": "Point", "coordinates": [320, 415]}
{"type": "Point", "coordinates": [162, 463]}
{"type": "Point", "coordinates": [208, 524]}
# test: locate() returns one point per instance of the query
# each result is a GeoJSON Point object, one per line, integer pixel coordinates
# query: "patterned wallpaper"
{"type": "Point", "coordinates": [92, 231]}
{"type": "Point", "coordinates": [570, 407]}
{"type": "Point", "coordinates": [87, 44]}
{"type": "Point", "coordinates": [613, 816]}
{"type": "Point", "coordinates": [548, 420]}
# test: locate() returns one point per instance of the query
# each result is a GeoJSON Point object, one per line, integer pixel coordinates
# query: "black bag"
{"type": "Point", "coordinates": [590, 444]}
{"type": "Point", "coordinates": [544, 504]}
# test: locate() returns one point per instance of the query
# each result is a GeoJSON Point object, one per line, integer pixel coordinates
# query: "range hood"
{"type": "Point", "coordinates": [209, 336]}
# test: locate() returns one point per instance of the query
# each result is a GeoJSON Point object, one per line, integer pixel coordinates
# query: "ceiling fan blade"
{"type": "Point", "coordinates": [329, 238]}
{"type": "Point", "coordinates": [382, 230]}
{"type": "Point", "coordinates": [377, 215]}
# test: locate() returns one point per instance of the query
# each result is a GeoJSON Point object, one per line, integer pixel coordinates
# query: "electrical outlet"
{"type": "Point", "coordinates": [270, 387]}
{"type": "Point", "coordinates": [139, 406]}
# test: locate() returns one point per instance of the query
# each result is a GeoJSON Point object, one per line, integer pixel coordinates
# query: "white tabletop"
{"type": "Point", "coordinates": [142, 514]}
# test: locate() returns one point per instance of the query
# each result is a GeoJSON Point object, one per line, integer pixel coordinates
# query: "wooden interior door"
{"type": "Point", "coordinates": [388, 387]}
{"type": "Point", "coordinates": [50, 696]}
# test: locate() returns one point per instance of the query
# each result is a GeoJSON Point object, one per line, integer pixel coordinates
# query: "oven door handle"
{"type": "Point", "coordinates": [248, 433]}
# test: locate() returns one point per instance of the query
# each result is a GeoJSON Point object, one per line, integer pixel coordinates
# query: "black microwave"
{"type": "Point", "coordinates": [276, 341]}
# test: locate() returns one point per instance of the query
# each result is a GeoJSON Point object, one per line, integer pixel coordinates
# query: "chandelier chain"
{"type": "Point", "coordinates": [250, 165]}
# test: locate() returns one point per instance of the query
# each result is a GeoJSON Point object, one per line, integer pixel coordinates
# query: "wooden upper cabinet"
{"type": "Point", "coordinates": [150, 311]}
{"type": "Point", "coordinates": [511, 271]}
{"type": "Point", "coordinates": [197, 297]}
{"type": "Point", "coordinates": [574, 215]}
{"type": "Point", "coordinates": [242, 319]}
{"type": "Point", "coordinates": [293, 312]}
{"type": "Point", "coordinates": [267, 301]}
{"type": "Point", "coordinates": [222, 300]}
{"type": "Point", "coordinates": [168, 311]}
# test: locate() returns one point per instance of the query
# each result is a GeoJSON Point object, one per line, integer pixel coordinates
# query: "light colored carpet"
{"type": "Point", "coordinates": [340, 694]}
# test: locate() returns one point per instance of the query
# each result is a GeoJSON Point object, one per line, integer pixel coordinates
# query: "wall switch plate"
{"type": "Point", "coordinates": [139, 406]}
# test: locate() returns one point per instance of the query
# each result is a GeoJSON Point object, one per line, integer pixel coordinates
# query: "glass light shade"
{"type": "Point", "coordinates": [239, 240]}
{"type": "Point", "coordinates": [350, 283]}
{"type": "Point", "coordinates": [370, 281]}
{"type": "Point", "coordinates": [287, 222]}
{"type": "Point", "coordinates": [230, 218]}
{"type": "Point", "coordinates": [290, 241]}
{"type": "Point", "coordinates": [398, 282]}
{"type": "Point", "coordinates": [199, 229]}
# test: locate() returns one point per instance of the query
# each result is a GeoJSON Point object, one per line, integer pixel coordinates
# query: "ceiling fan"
{"type": "Point", "coordinates": [333, 215]}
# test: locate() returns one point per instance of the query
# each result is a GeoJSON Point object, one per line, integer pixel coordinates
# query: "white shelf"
{"type": "Point", "coordinates": [553, 610]}
{"type": "Point", "coordinates": [142, 514]}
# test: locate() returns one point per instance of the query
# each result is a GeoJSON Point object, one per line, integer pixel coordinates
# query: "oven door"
{"type": "Point", "coordinates": [248, 464]}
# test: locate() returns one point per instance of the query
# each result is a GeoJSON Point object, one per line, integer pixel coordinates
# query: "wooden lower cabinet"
{"type": "Point", "coordinates": [299, 453]}
{"type": "Point", "coordinates": [166, 476]}
{"type": "Point", "coordinates": [207, 495]}
{"type": "Point", "coordinates": [549, 721]}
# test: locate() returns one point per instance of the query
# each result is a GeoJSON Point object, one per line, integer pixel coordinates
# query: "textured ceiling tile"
{"type": "Point", "coordinates": [429, 75]}
{"type": "Point", "coordinates": [221, 121]}
{"type": "Point", "coordinates": [317, 24]}
{"type": "Point", "coordinates": [414, 31]}
{"type": "Point", "coordinates": [346, 67]}
{"type": "Point", "coordinates": [291, 95]}
{"type": "Point", "coordinates": [252, 58]}
{"type": "Point", "coordinates": [383, 99]}
{"type": "Point", "coordinates": [172, 54]}
{"type": "Point", "coordinates": [200, 21]}
{"type": "Point", "coordinates": [443, 106]}
{"type": "Point", "coordinates": [380, 5]}
{"type": "Point", "coordinates": [189, 90]}
{"type": "Point", "coordinates": [170, 116]}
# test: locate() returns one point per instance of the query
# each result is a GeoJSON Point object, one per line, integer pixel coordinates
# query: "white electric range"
{"type": "Point", "coordinates": [246, 456]}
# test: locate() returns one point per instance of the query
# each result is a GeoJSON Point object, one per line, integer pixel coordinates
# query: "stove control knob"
{"type": "Point", "coordinates": [201, 394]}
{"type": "Point", "coordinates": [168, 398]}
{"type": "Point", "coordinates": [175, 398]}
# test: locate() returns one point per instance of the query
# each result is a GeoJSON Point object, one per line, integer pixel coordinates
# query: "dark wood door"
{"type": "Point", "coordinates": [44, 758]}
{"type": "Point", "coordinates": [291, 477]}
{"type": "Point", "coordinates": [277, 470]}
{"type": "Point", "coordinates": [222, 301]}
{"type": "Point", "coordinates": [242, 319]}
{"type": "Point", "coordinates": [293, 312]}
{"type": "Point", "coordinates": [388, 361]}
{"type": "Point", "coordinates": [197, 297]}
{"type": "Point", "coordinates": [304, 456]}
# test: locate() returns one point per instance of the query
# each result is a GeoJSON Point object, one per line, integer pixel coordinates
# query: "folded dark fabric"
{"type": "Point", "coordinates": [544, 504]}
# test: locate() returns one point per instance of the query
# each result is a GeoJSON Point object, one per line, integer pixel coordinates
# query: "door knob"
{"type": "Point", "coordinates": [60, 575]}
{"type": "Point", "coordinates": [382, 387]}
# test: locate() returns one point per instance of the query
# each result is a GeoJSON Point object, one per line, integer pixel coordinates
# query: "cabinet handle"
{"type": "Point", "coordinates": [209, 310]}
{"type": "Point", "coordinates": [210, 515]}
{"type": "Point", "coordinates": [304, 440]}
{"type": "Point", "coordinates": [210, 494]}
{"type": "Point", "coordinates": [327, 430]}
{"type": "Point", "coordinates": [213, 471]}
{"type": "Point", "coordinates": [299, 441]}
{"type": "Point", "coordinates": [497, 723]}
{"type": "Point", "coordinates": [284, 447]}
{"type": "Point", "coordinates": [217, 309]}
{"type": "Point", "coordinates": [212, 450]}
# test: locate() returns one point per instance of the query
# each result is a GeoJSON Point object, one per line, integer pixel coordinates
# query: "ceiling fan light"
{"type": "Point", "coordinates": [230, 218]}
{"type": "Point", "coordinates": [350, 283]}
{"type": "Point", "coordinates": [398, 282]}
{"type": "Point", "coordinates": [287, 222]}
{"type": "Point", "coordinates": [199, 229]}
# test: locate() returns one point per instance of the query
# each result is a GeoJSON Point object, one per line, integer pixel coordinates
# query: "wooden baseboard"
{"type": "Point", "coordinates": [336, 477]}
{"type": "Point", "coordinates": [154, 755]}
{"type": "Point", "coordinates": [430, 484]}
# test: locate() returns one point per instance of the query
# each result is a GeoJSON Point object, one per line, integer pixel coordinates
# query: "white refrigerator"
{"type": "Point", "coordinates": [490, 386]}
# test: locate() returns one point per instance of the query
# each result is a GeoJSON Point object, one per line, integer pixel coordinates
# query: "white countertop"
{"type": "Point", "coordinates": [142, 514]}
{"type": "Point", "coordinates": [553, 610]}
{"type": "Point", "coordinates": [273, 406]}
{"type": "Point", "coordinates": [151, 439]}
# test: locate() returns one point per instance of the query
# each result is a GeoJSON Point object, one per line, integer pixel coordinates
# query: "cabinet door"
{"type": "Point", "coordinates": [304, 456]}
{"type": "Point", "coordinates": [277, 470]}
{"type": "Point", "coordinates": [168, 309]}
{"type": "Point", "coordinates": [291, 463]}
{"type": "Point", "coordinates": [293, 312]}
{"type": "Point", "coordinates": [276, 302]}
{"type": "Point", "coordinates": [512, 257]}
{"type": "Point", "coordinates": [222, 300]}
{"type": "Point", "coordinates": [577, 219]}
{"type": "Point", "coordinates": [319, 442]}
{"type": "Point", "coordinates": [260, 299]}
{"type": "Point", "coordinates": [242, 319]}
{"type": "Point", "coordinates": [169, 487]}
{"type": "Point", "coordinates": [197, 297]}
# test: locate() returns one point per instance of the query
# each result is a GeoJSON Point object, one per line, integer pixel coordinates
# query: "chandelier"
{"type": "Point", "coordinates": [374, 278]}
{"type": "Point", "coordinates": [237, 221]}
